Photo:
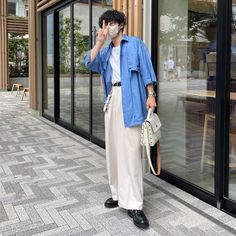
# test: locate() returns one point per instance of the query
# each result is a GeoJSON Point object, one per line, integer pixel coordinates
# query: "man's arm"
{"type": "Point", "coordinates": [92, 60]}
{"type": "Point", "coordinates": [150, 89]}
{"type": "Point", "coordinates": [148, 75]}
{"type": "Point", "coordinates": [95, 50]}
{"type": "Point", "coordinates": [146, 68]}
{"type": "Point", "coordinates": [102, 35]}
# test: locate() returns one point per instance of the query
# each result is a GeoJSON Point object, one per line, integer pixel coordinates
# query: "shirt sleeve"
{"type": "Point", "coordinates": [94, 65]}
{"type": "Point", "coordinates": [146, 68]}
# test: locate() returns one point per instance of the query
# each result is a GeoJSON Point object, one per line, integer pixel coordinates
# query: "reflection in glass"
{"type": "Point", "coordinates": [81, 46]}
{"type": "Point", "coordinates": [18, 55]}
{"type": "Point", "coordinates": [18, 8]}
{"type": "Point", "coordinates": [98, 116]}
{"type": "Point", "coordinates": [187, 72]}
{"type": "Point", "coordinates": [232, 131]}
{"type": "Point", "coordinates": [65, 64]}
{"type": "Point", "coordinates": [11, 8]}
{"type": "Point", "coordinates": [48, 67]}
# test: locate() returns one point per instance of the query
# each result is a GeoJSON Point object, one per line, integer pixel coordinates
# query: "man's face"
{"type": "Point", "coordinates": [114, 29]}
{"type": "Point", "coordinates": [112, 23]}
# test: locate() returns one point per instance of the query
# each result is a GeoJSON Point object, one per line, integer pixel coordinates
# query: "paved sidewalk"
{"type": "Point", "coordinates": [53, 182]}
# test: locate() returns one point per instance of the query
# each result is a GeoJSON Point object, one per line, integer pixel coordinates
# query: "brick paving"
{"type": "Point", "coordinates": [53, 182]}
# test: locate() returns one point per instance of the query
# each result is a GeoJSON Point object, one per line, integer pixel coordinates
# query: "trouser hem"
{"type": "Point", "coordinates": [133, 206]}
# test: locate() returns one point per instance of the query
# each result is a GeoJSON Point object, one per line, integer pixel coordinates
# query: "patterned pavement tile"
{"type": "Point", "coordinates": [54, 182]}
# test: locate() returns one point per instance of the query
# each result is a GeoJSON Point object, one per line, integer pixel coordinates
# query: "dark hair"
{"type": "Point", "coordinates": [112, 15]}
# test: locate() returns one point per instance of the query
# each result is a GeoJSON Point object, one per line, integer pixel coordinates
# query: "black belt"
{"type": "Point", "coordinates": [118, 84]}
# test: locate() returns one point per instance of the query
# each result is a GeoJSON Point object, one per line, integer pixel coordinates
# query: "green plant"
{"type": "Point", "coordinates": [82, 69]}
{"type": "Point", "coordinates": [64, 43]}
{"type": "Point", "coordinates": [50, 69]}
{"type": "Point", "coordinates": [18, 55]}
{"type": "Point", "coordinates": [80, 45]}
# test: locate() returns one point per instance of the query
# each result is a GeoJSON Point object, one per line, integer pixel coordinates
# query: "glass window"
{"type": "Point", "coordinates": [48, 66]}
{"type": "Point", "coordinates": [97, 99]}
{"type": "Point", "coordinates": [12, 8]}
{"type": "Point", "coordinates": [74, 83]}
{"type": "Point", "coordinates": [65, 64]}
{"type": "Point", "coordinates": [82, 75]}
{"type": "Point", "coordinates": [18, 54]}
{"type": "Point", "coordinates": [187, 80]}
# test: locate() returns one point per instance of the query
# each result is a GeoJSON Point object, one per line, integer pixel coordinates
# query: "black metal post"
{"type": "Point", "coordinates": [90, 74]}
{"type": "Point", "coordinates": [224, 17]}
{"type": "Point", "coordinates": [72, 65]}
{"type": "Point", "coordinates": [56, 68]}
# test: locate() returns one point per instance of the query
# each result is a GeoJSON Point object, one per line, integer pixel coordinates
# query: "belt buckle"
{"type": "Point", "coordinates": [117, 84]}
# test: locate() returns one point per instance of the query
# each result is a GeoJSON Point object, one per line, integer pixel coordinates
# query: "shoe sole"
{"type": "Point", "coordinates": [141, 226]}
{"type": "Point", "coordinates": [107, 206]}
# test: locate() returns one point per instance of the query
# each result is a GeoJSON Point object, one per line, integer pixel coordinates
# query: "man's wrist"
{"type": "Point", "coordinates": [152, 94]}
{"type": "Point", "coordinates": [100, 43]}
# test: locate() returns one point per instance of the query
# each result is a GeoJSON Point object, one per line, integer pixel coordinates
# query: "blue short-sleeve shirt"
{"type": "Point", "coordinates": [136, 72]}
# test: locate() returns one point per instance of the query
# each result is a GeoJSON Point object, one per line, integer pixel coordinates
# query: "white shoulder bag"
{"type": "Point", "coordinates": [150, 135]}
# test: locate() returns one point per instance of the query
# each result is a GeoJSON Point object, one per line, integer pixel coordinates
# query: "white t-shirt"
{"type": "Point", "coordinates": [115, 64]}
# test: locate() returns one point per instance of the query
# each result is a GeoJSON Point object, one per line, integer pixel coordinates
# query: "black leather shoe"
{"type": "Point", "coordinates": [139, 218]}
{"type": "Point", "coordinates": [110, 203]}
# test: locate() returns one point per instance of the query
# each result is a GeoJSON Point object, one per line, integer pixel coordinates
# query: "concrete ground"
{"type": "Point", "coordinates": [53, 182]}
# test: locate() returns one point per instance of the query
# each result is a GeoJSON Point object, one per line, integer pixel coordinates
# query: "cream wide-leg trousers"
{"type": "Point", "coordinates": [123, 155]}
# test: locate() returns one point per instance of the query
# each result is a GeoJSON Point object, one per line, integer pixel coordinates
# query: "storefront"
{"type": "Point", "coordinates": [72, 95]}
{"type": "Point", "coordinates": [193, 52]}
{"type": "Point", "coordinates": [193, 49]}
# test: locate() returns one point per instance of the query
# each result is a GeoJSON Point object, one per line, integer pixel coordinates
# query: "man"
{"type": "Point", "coordinates": [170, 67]}
{"type": "Point", "coordinates": [128, 78]}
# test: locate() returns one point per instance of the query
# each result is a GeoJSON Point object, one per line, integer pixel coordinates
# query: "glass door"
{"type": "Point", "coordinates": [98, 128]}
{"type": "Point", "coordinates": [187, 84]}
{"type": "Point", "coordinates": [230, 178]}
{"type": "Point", "coordinates": [72, 95]}
{"type": "Point", "coordinates": [81, 74]}
{"type": "Point", "coordinates": [65, 95]}
{"type": "Point", "coordinates": [48, 66]}
{"type": "Point", "coordinates": [71, 91]}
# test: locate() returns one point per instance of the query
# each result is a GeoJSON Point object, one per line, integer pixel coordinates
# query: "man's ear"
{"type": "Point", "coordinates": [121, 26]}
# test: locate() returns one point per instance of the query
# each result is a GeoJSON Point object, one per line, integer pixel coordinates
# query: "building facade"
{"type": "Point", "coordinates": [193, 48]}
{"type": "Point", "coordinates": [13, 20]}
{"type": "Point", "coordinates": [192, 44]}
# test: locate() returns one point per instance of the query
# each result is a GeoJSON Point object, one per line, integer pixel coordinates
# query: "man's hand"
{"type": "Point", "coordinates": [101, 38]}
{"type": "Point", "coordinates": [151, 103]}
{"type": "Point", "coordinates": [102, 33]}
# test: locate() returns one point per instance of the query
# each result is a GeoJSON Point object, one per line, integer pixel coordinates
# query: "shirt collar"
{"type": "Point", "coordinates": [124, 38]}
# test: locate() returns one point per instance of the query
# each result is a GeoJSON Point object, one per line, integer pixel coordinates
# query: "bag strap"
{"type": "Point", "coordinates": [149, 113]}
{"type": "Point", "coordinates": [158, 156]}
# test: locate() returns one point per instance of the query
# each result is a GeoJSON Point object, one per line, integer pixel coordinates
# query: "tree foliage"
{"type": "Point", "coordinates": [18, 50]}
{"type": "Point", "coordinates": [80, 45]}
